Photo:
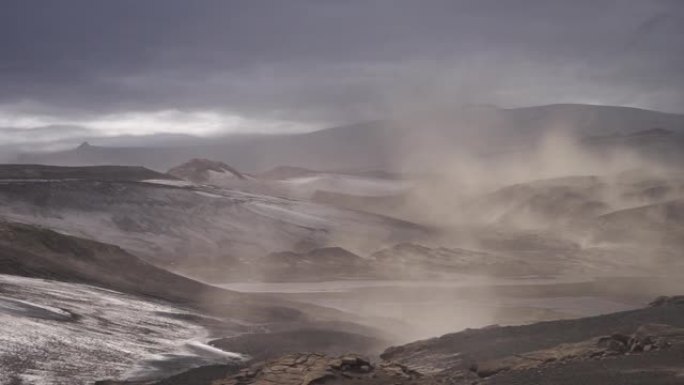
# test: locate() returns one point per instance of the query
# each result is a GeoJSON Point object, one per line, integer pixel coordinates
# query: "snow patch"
{"type": "Point", "coordinates": [62, 333]}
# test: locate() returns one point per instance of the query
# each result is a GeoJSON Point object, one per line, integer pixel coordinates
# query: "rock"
{"type": "Point", "coordinates": [310, 369]}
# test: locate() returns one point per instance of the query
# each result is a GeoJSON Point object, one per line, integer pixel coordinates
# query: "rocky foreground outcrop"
{"type": "Point", "coordinates": [647, 338]}
{"type": "Point", "coordinates": [310, 369]}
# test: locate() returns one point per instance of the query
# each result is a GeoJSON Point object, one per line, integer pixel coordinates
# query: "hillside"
{"type": "Point", "coordinates": [184, 226]}
{"type": "Point", "coordinates": [99, 173]}
{"type": "Point", "coordinates": [37, 252]}
{"type": "Point", "coordinates": [205, 171]}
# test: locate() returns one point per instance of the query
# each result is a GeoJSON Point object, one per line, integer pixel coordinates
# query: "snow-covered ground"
{"type": "Point", "coordinates": [63, 333]}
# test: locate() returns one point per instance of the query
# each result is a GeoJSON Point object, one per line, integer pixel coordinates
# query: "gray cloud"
{"type": "Point", "coordinates": [325, 62]}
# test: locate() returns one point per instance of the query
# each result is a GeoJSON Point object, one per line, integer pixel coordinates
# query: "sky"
{"type": "Point", "coordinates": [91, 68]}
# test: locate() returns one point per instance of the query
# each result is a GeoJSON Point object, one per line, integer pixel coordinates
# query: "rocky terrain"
{"type": "Point", "coordinates": [644, 346]}
{"type": "Point", "coordinates": [498, 342]}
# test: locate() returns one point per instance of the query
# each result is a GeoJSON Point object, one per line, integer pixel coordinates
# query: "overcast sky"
{"type": "Point", "coordinates": [117, 67]}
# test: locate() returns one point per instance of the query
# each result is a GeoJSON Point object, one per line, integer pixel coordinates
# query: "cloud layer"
{"type": "Point", "coordinates": [129, 66]}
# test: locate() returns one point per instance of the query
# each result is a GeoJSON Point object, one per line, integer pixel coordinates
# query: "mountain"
{"type": "Point", "coordinates": [349, 146]}
{"type": "Point", "coordinates": [385, 144]}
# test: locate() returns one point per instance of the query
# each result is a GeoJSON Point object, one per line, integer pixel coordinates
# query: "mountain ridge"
{"type": "Point", "coordinates": [379, 144]}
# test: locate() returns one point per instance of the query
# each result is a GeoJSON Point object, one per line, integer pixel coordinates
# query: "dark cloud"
{"type": "Point", "coordinates": [331, 61]}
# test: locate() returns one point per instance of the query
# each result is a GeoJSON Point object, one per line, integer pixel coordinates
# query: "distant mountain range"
{"type": "Point", "coordinates": [483, 131]}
